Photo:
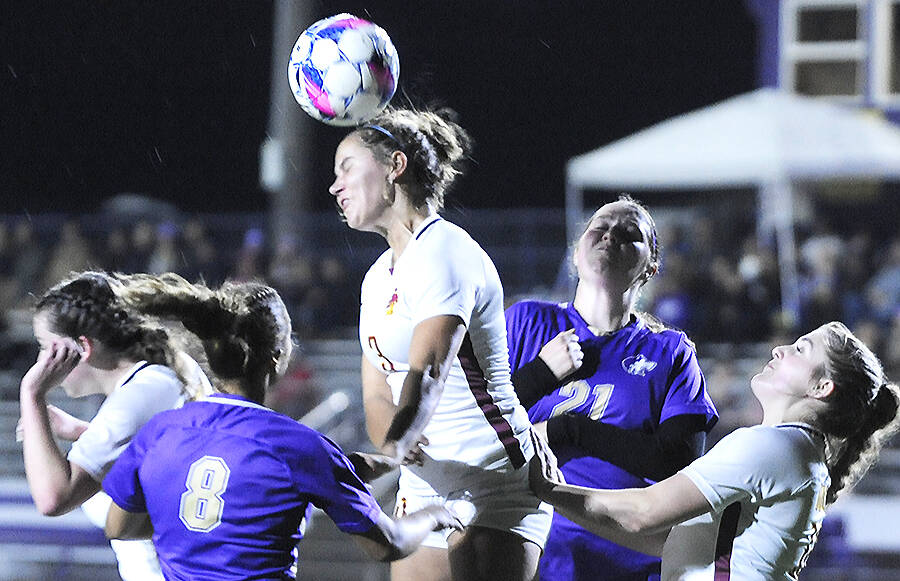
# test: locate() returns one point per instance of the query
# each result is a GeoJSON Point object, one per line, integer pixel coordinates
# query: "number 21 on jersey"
{"type": "Point", "coordinates": [202, 503]}
{"type": "Point", "coordinates": [577, 393]}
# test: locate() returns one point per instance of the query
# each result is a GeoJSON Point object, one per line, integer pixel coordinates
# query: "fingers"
{"type": "Point", "coordinates": [575, 352]}
{"type": "Point", "coordinates": [573, 347]}
{"type": "Point", "coordinates": [66, 350]}
{"type": "Point", "coordinates": [445, 519]}
{"type": "Point", "coordinates": [563, 354]}
{"type": "Point", "coordinates": [416, 455]}
{"type": "Point", "coordinates": [547, 459]}
{"type": "Point", "coordinates": [62, 353]}
{"type": "Point", "coordinates": [460, 504]}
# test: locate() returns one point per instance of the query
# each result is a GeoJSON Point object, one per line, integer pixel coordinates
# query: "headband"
{"type": "Point", "coordinates": [384, 132]}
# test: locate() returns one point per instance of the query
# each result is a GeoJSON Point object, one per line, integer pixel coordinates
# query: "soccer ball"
{"type": "Point", "coordinates": [343, 70]}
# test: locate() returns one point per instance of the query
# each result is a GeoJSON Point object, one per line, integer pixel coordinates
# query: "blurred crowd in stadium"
{"type": "Point", "coordinates": [720, 289]}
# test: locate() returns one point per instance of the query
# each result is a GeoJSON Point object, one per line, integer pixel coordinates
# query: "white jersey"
{"type": "Point", "coordinates": [478, 421]}
{"type": "Point", "coordinates": [767, 488]}
{"type": "Point", "coordinates": [143, 392]}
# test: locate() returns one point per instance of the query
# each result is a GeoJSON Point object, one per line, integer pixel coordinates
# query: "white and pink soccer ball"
{"type": "Point", "coordinates": [343, 70]}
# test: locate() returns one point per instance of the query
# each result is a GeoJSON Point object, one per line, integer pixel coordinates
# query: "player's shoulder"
{"type": "Point", "coordinates": [246, 418]}
{"type": "Point", "coordinates": [671, 338]}
{"type": "Point", "coordinates": [148, 387]}
{"type": "Point", "coordinates": [154, 374]}
{"type": "Point", "coordinates": [162, 421]}
{"type": "Point", "coordinates": [761, 440]}
{"type": "Point", "coordinates": [443, 235]}
{"type": "Point", "coordinates": [771, 449]}
{"type": "Point", "coordinates": [533, 309]}
{"type": "Point", "coordinates": [303, 444]}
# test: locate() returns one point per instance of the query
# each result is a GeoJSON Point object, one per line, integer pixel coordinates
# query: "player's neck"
{"type": "Point", "coordinates": [231, 387]}
{"type": "Point", "coordinates": [404, 223]}
{"type": "Point", "coordinates": [603, 311]}
{"type": "Point", "coordinates": [111, 376]}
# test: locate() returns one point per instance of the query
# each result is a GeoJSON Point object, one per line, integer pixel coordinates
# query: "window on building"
{"type": "Point", "coordinates": [823, 48]}
{"type": "Point", "coordinates": [885, 48]}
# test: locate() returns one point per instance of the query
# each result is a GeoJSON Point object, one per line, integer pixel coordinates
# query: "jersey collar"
{"type": "Point", "coordinates": [426, 223]}
{"type": "Point", "coordinates": [132, 372]}
{"type": "Point", "coordinates": [634, 323]}
{"type": "Point", "coordinates": [231, 399]}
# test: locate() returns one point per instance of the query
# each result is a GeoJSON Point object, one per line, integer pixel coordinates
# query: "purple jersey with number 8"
{"type": "Point", "coordinates": [227, 483]}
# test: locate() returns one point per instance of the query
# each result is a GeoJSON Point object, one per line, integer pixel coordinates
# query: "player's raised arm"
{"type": "Point", "coordinates": [435, 343]}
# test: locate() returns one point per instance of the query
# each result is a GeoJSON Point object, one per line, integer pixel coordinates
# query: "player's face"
{"type": "Point", "coordinates": [359, 187]}
{"type": "Point", "coordinates": [80, 381]}
{"type": "Point", "coordinates": [794, 369]}
{"type": "Point", "coordinates": [615, 245]}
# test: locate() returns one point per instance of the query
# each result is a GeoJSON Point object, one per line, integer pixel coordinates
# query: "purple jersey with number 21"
{"type": "Point", "coordinates": [633, 378]}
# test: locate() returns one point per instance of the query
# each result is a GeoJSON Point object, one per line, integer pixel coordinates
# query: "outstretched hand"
{"type": "Point", "coordinates": [369, 467]}
{"type": "Point", "coordinates": [563, 354]}
{"type": "Point", "coordinates": [444, 518]}
{"type": "Point", "coordinates": [543, 472]}
{"type": "Point", "coordinates": [54, 362]}
{"type": "Point", "coordinates": [414, 456]}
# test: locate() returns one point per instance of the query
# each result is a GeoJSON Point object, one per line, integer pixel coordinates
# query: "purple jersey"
{"type": "Point", "coordinates": [227, 483]}
{"type": "Point", "coordinates": [635, 379]}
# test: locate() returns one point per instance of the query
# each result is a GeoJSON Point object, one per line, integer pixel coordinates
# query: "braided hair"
{"type": "Point", "coordinates": [244, 327]}
{"type": "Point", "coordinates": [434, 143]}
{"type": "Point", "coordinates": [862, 412]}
{"type": "Point", "coordinates": [87, 305]}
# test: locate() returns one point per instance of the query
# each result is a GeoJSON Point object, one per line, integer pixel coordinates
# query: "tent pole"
{"type": "Point", "coordinates": [574, 219]}
{"type": "Point", "coordinates": [781, 197]}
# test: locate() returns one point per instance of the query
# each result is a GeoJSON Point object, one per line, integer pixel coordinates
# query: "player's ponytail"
{"type": "Point", "coordinates": [434, 143]}
{"type": "Point", "coordinates": [243, 327]}
{"type": "Point", "coordinates": [862, 408]}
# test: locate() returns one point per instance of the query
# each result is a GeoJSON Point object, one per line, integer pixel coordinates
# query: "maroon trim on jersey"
{"type": "Point", "coordinates": [725, 541]}
{"type": "Point", "coordinates": [478, 387]}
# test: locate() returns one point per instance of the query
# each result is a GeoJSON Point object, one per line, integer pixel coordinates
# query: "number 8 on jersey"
{"type": "Point", "coordinates": [202, 503]}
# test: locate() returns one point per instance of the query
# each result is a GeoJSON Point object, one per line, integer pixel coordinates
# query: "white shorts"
{"type": "Point", "coordinates": [501, 500]}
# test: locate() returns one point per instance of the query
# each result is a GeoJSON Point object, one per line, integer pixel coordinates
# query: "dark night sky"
{"type": "Point", "coordinates": [172, 98]}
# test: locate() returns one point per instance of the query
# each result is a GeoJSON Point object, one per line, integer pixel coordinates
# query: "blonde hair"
{"type": "Point", "coordinates": [243, 326]}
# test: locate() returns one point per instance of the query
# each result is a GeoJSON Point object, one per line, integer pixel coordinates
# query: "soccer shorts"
{"type": "Point", "coordinates": [501, 500]}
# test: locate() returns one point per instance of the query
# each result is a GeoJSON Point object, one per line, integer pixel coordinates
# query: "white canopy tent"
{"type": "Point", "coordinates": [767, 139]}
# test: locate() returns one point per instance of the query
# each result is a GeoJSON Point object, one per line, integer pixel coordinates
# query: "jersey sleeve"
{"type": "Point", "coordinates": [130, 406]}
{"type": "Point", "coordinates": [752, 464]}
{"type": "Point", "coordinates": [529, 326]}
{"type": "Point", "coordinates": [686, 393]}
{"type": "Point", "coordinates": [122, 482]}
{"type": "Point", "coordinates": [339, 492]}
{"type": "Point", "coordinates": [516, 318]}
{"type": "Point", "coordinates": [448, 284]}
